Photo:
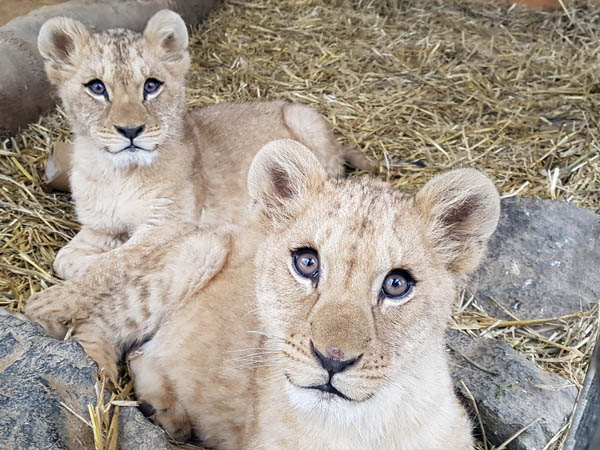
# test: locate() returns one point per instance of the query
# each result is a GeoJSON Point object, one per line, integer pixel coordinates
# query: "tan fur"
{"type": "Point", "coordinates": [233, 360]}
{"type": "Point", "coordinates": [192, 167]}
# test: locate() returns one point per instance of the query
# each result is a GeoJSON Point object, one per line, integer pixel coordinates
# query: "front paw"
{"type": "Point", "coordinates": [173, 420]}
{"type": "Point", "coordinates": [70, 264]}
{"type": "Point", "coordinates": [53, 309]}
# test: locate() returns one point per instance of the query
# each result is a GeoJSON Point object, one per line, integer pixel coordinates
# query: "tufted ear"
{"type": "Point", "coordinates": [167, 33]}
{"type": "Point", "coordinates": [461, 209]}
{"type": "Point", "coordinates": [58, 41]}
{"type": "Point", "coordinates": [281, 175]}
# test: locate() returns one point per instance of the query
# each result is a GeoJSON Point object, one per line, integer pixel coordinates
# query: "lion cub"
{"type": "Point", "coordinates": [140, 158]}
{"type": "Point", "coordinates": [324, 329]}
{"type": "Point", "coordinates": [141, 162]}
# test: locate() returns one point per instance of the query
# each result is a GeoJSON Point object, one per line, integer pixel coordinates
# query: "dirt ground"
{"type": "Point", "coordinates": [9, 9]}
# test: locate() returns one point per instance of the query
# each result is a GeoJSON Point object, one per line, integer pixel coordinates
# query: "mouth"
{"type": "Point", "coordinates": [326, 388]}
{"type": "Point", "coordinates": [329, 389]}
{"type": "Point", "coordinates": [131, 148]}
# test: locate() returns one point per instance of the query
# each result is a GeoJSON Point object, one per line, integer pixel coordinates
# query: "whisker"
{"type": "Point", "coordinates": [299, 358]}
{"type": "Point", "coordinates": [275, 376]}
{"type": "Point", "coordinates": [246, 355]}
{"type": "Point", "coordinates": [252, 365]}
{"type": "Point", "coordinates": [257, 357]}
{"type": "Point", "coordinates": [270, 336]}
{"type": "Point", "coordinates": [249, 349]}
{"type": "Point", "coordinates": [250, 311]}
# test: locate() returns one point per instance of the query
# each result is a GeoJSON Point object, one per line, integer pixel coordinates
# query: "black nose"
{"type": "Point", "coordinates": [130, 133]}
{"type": "Point", "coordinates": [331, 365]}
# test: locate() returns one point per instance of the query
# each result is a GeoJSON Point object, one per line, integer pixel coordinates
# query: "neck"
{"type": "Point", "coordinates": [119, 199]}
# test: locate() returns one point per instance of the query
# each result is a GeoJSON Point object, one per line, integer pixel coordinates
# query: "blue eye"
{"type": "Point", "coordinates": [151, 86]}
{"type": "Point", "coordinates": [96, 87]}
{"type": "Point", "coordinates": [397, 284]}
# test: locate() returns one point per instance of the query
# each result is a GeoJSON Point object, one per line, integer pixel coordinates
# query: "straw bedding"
{"type": "Point", "coordinates": [420, 86]}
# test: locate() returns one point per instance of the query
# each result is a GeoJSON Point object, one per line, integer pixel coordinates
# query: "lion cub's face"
{"type": "Point", "coordinates": [123, 90]}
{"type": "Point", "coordinates": [356, 284]}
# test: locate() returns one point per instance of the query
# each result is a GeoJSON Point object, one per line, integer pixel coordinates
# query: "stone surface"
{"type": "Point", "coordinates": [542, 261]}
{"type": "Point", "coordinates": [515, 395]}
{"type": "Point", "coordinates": [137, 433]}
{"type": "Point", "coordinates": [585, 427]}
{"type": "Point", "coordinates": [40, 380]}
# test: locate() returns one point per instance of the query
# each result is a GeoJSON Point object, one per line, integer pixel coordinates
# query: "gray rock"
{"type": "Point", "coordinates": [542, 261]}
{"type": "Point", "coordinates": [585, 426]}
{"type": "Point", "coordinates": [137, 433]}
{"type": "Point", "coordinates": [40, 380]}
{"type": "Point", "coordinates": [515, 395]}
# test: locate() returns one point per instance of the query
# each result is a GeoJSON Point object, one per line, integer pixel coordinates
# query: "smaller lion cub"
{"type": "Point", "coordinates": [141, 160]}
{"type": "Point", "coordinates": [325, 328]}
{"type": "Point", "coordinates": [145, 169]}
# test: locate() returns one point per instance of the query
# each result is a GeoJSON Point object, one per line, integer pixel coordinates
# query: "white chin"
{"type": "Point", "coordinates": [325, 408]}
{"type": "Point", "coordinates": [312, 401]}
{"type": "Point", "coordinates": [137, 158]}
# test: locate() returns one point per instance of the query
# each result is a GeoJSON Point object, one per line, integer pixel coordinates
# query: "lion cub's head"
{"type": "Point", "coordinates": [123, 90]}
{"type": "Point", "coordinates": [356, 282]}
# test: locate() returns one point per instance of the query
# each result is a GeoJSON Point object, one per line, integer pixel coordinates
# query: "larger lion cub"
{"type": "Point", "coordinates": [324, 330]}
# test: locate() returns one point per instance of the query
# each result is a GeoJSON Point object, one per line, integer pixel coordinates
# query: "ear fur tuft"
{"type": "Point", "coordinates": [282, 173]}
{"type": "Point", "coordinates": [166, 31]}
{"type": "Point", "coordinates": [461, 208]}
{"type": "Point", "coordinates": [58, 40]}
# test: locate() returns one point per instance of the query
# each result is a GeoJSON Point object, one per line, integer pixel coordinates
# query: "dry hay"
{"type": "Point", "coordinates": [421, 86]}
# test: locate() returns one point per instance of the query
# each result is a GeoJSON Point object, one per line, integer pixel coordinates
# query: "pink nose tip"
{"type": "Point", "coordinates": [335, 353]}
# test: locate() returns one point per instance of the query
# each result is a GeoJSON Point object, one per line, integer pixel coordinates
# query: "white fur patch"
{"type": "Point", "coordinates": [138, 158]}
{"type": "Point", "coordinates": [326, 407]}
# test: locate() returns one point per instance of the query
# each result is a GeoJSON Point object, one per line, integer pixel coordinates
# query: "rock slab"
{"type": "Point", "coordinates": [585, 427]}
{"type": "Point", "coordinates": [515, 394]}
{"type": "Point", "coordinates": [542, 260]}
{"type": "Point", "coordinates": [41, 379]}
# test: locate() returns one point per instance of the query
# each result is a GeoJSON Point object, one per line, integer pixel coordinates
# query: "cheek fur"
{"type": "Point", "coordinates": [85, 113]}
{"type": "Point", "coordinates": [165, 112]}
{"type": "Point", "coordinates": [279, 293]}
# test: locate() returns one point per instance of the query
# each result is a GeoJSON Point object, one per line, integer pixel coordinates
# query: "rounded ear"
{"type": "Point", "coordinates": [166, 32]}
{"type": "Point", "coordinates": [461, 209]}
{"type": "Point", "coordinates": [281, 175]}
{"type": "Point", "coordinates": [58, 40]}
